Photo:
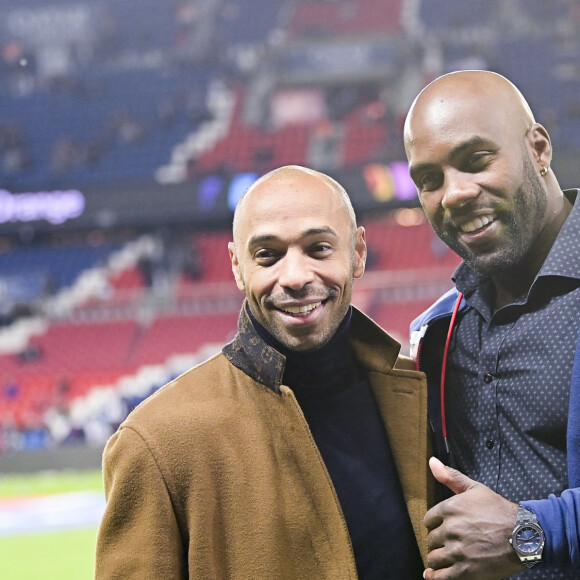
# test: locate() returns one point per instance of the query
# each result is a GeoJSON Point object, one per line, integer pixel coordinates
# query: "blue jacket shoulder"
{"type": "Point", "coordinates": [443, 307]}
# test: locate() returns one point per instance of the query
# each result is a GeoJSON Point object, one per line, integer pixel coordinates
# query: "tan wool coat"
{"type": "Point", "coordinates": [217, 476]}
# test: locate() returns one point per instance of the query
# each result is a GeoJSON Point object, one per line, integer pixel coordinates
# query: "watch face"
{"type": "Point", "coordinates": [528, 539]}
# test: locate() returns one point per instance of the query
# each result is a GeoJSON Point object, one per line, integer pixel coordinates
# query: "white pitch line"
{"type": "Point", "coordinates": [63, 511]}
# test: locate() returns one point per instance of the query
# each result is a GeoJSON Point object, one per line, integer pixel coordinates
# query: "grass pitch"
{"type": "Point", "coordinates": [55, 556]}
{"type": "Point", "coordinates": [50, 482]}
{"type": "Point", "coordinates": [63, 555]}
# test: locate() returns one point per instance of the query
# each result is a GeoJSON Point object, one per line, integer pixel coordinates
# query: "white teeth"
{"type": "Point", "coordinates": [301, 309]}
{"type": "Point", "coordinates": [475, 224]}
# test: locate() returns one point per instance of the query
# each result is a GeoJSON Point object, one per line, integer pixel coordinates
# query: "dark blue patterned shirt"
{"type": "Point", "coordinates": [508, 379]}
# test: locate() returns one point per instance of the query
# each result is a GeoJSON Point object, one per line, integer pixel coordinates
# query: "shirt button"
{"type": "Point", "coordinates": [490, 443]}
{"type": "Point", "coordinates": [487, 378]}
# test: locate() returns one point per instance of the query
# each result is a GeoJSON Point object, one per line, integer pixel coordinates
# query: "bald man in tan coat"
{"type": "Point", "coordinates": [235, 469]}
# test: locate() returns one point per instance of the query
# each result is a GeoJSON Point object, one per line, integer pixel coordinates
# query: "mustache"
{"type": "Point", "coordinates": [283, 298]}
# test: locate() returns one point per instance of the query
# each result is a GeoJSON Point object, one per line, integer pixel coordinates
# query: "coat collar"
{"type": "Point", "coordinates": [374, 349]}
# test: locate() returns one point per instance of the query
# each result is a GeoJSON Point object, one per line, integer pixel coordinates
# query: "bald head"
{"type": "Point", "coordinates": [296, 253]}
{"type": "Point", "coordinates": [458, 96]}
{"type": "Point", "coordinates": [286, 174]}
{"type": "Point", "coordinates": [481, 166]}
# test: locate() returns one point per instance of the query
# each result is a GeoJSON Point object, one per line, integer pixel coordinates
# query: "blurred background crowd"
{"type": "Point", "coordinates": [128, 130]}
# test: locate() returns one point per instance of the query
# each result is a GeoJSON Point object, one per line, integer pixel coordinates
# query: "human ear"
{"type": "Point", "coordinates": [539, 140]}
{"type": "Point", "coordinates": [236, 266]}
{"type": "Point", "coordinates": [360, 252]}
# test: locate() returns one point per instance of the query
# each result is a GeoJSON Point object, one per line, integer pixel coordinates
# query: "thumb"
{"type": "Point", "coordinates": [453, 479]}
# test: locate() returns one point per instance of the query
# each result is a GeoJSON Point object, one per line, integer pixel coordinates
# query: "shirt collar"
{"type": "Point", "coordinates": [563, 259]}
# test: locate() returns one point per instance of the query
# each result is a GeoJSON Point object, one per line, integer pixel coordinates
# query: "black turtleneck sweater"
{"type": "Point", "coordinates": [342, 414]}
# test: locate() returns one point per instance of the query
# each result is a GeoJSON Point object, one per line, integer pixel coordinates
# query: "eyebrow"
{"type": "Point", "coordinates": [453, 154]}
{"type": "Point", "coordinates": [264, 238]}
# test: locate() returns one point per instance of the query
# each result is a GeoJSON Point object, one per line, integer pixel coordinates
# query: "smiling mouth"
{"type": "Point", "coordinates": [300, 310]}
{"type": "Point", "coordinates": [477, 224]}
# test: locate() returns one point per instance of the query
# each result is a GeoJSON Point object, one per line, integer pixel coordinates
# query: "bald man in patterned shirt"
{"type": "Point", "coordinates": [500, 348]}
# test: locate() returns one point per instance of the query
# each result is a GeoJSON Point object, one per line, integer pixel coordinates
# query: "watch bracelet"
{"type": "Point", "coordinates": [525, 517]}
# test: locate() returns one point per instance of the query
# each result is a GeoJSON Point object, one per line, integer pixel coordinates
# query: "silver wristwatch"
{"type": "Point", "coordinates": [528, 538]}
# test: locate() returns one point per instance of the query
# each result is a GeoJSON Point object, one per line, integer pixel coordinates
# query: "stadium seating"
{"type": "Point", "coordinates": [243, 22]}
{"type": "Point", "coordinates": [319, 19]}
{"type": "Point", "coordinates": [178, 334]}
{"type": "Point", "coordinates": [154, 101]}
{"type": "Point", "coordinates": [440, 15]}
{"type": "Point", "coordinates": [395, 247]}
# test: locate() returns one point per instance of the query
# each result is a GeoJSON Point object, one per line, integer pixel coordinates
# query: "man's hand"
{"type": "Point", "coordinates": [469, 533]}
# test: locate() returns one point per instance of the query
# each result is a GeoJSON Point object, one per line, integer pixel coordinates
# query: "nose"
{"type": "Point", "coordinates": [295, 270]}
{"type": "Point", "coordinates": [459, 188]}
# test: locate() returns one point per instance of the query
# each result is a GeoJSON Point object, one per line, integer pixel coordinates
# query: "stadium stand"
{"type": "Point", "coordinates": [316, 19]}
{"type": "Point", "coordinates": [94, 319]}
